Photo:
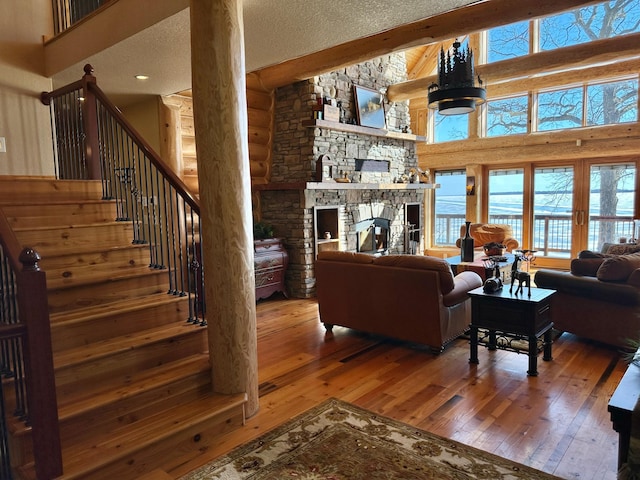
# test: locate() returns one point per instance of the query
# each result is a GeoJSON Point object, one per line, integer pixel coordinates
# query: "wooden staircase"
{"type": "Point", "coordinates": [132, 375]}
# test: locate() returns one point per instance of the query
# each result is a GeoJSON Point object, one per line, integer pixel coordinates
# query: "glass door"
{"type": "Point", "coordinates": [554, 215]}
{"type": "Point", "coordinates": [609, 209]}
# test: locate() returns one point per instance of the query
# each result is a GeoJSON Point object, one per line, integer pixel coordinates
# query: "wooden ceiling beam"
{"type": "Point", "coordinates": [578, 76]}
{"type": "Point", "coordinates": [461, 21]}
{"type": "Point", "coordinates": [537, 64]}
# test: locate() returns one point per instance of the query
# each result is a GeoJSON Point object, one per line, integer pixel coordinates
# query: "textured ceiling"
{"type": "Point", "coordinates": [275, 31]}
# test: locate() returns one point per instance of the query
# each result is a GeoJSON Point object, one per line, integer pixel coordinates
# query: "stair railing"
{"type": "Point", "coordinates": [26, 358]}
{"type": "Point", "coordinates": [67, 13]}
{"type": "Point", "coordinates": [93, 140]}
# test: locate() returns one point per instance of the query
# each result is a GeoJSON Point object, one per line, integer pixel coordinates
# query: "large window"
{"type": "Point", "coordinates": [507, 116]}
{"type": "Point", "coordinates": [450, 127]}
{"type": "Point", "coordinates": [560, 109]}
{"type": "Point", "coordinates": [607, 103]}
{"type": "Point", "coordinates": [613, 102]}
{"type": "Point", "coordinates": [450, 206]}
{"type": "Point", "coordinates": [604, 20]}
{"type": "Point", "coordinates": [508, 41]}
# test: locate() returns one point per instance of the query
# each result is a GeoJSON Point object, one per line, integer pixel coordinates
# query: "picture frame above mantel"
{"type": "Point", "coordinates": [369, 107]}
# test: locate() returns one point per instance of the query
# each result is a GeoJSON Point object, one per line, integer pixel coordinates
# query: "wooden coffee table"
{"type": "Point", "coordinates": [507, 314]}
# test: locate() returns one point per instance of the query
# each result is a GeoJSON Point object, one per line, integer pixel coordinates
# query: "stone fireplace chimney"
{"type": "Point", "coordinates": [302, 207]}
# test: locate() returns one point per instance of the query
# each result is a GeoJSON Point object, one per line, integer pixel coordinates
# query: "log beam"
{"type": "Point", "coordinates": [461, 21]}
{"type": "Point", "coordinates": [543, 63]}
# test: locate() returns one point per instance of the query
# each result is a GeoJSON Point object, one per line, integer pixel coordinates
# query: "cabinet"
{"type": "Point", "coordinates": [326, 228]}
{"type": "Point", "coordinates": [270, 264]}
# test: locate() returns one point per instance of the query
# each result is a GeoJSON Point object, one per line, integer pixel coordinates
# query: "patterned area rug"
{"type": "Point", "coordinates": [339, 441]}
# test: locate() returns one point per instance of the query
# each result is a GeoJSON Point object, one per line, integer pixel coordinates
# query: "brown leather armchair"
{"type": "Point", "coordinates": [483, 233]}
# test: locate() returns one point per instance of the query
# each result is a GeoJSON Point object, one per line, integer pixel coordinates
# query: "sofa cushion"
{"type": "Point", "coordinates": [339, 256]}
{"type": "Point", "coordinates": [423, 263]}
{"type": "Point", "coordinates": [618, 268]}
{"type": "Point", "coordinates": [634, 278]}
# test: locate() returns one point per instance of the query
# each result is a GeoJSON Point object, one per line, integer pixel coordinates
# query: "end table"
{"type": "Point", "coordinates": [513, 315]}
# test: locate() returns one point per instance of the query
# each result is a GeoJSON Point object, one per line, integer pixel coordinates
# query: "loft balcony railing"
{"type": "Point", "coordinates": [67, 13]}
{"type": "Point", "coordinates": [552, 233]}
{"type": "Point", "coordinates": [93, 140]}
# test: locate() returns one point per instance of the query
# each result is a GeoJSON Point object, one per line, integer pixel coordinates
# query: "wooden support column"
{"type": "Point", "coordinates": [220, 118]}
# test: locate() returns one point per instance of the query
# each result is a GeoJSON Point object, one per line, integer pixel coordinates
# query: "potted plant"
{"type": "Point", "coordinates": [262, 231]}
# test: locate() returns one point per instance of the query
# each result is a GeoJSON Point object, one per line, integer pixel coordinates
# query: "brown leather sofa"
{"type": "Point", "coordinates": [483, 233]}
{"type": "Point", "coordinates": [407, 297]}
{"type": "Point", "coordinates": [598, 299]}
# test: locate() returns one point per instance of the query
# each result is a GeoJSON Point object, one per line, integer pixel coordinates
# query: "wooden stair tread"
{"type": "Point", "coordinates": [89, 277]}
{"type": "Point", "coordinates": [141, 381]}
{"type": "Point", "coordinates": [82, 459]}
{"type": "Point", "coordinates": [114, 345]}
{"type": "Point", "coordinates": [62, 319]}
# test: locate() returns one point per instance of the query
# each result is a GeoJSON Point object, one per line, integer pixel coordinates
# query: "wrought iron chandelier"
{"type": "Point", "coordinates": [456, 93]}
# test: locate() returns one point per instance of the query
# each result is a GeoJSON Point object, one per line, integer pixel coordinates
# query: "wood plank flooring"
{"type": "Point", "coordinates": [556, 422]}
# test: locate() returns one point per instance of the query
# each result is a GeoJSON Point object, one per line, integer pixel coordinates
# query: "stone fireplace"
{"type": "Point", "coordinates": [375, 212]}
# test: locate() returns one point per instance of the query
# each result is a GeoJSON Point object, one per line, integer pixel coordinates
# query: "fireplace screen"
{"type": "Point", "coordinates": [373, 235]}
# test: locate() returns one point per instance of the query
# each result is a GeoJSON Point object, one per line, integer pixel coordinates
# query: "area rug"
{"type": "Point", "coordinates": [339, 441]}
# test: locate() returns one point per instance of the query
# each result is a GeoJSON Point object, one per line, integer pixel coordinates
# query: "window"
{"type": "Point", "coordinates": [613, 102]}
{"type": "Point", "coordinates": [607, 103]}
{"type": "Point", "coordinates": [508, 41]}
{"type": "Point", "coordinates": [506, 198]}
{"type": "Point", "coordinates": [450, 127]}
{"type": "Point", "coordinates": [559, 109]}
{"type": "Point", "coordinates": [604, 20]}
{"type": "Point", "coordinates": [507, 116]}
{"type": "Point", "coordinates": [450, 206]}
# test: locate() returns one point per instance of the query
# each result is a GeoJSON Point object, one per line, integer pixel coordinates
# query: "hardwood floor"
{"type": "Point", "coordinates": [556, 422]}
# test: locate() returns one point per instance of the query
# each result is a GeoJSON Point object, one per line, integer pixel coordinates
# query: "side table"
{"type": "Point", "coordinates": [513, 315]}
{"type": "Point", "coordinates": [621, 406]}
{"type": "Point", "coordinates": [270, 264]}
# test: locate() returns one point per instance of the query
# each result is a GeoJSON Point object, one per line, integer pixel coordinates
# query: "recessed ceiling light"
{"type": "Point", "coordinates": [142, 77]}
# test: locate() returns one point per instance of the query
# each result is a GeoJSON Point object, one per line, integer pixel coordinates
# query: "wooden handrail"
{"type": "Point", "coordinates": [45, 97]}
{"type": "Point", "coordinates": [169, 174]}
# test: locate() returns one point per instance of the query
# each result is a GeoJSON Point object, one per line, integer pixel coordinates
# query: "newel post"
{"type": "Point", "coordinates": [90, 125]}
{"type": "Point", "coordinates": [38, 358]}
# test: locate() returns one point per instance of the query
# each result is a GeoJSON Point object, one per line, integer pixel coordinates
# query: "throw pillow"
{"type": "Point", "coordinates": [618, 268]}
{"type": "Point", "coordinates": [586, 267]}
{"type": "Point", "coordinates": [590, 254]}
{"type": "Point", "coordinates": [622, 248]}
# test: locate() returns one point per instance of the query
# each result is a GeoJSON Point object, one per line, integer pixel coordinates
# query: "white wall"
{"type": "Point", "coordinates": [24, 120]}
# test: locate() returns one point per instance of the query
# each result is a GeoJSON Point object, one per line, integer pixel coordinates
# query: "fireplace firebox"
{"type": "Point", "coordinates": [373, 235]}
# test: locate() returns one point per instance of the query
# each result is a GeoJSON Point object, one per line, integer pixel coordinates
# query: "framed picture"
{"type": "Point", "coordinates": [369, 107]}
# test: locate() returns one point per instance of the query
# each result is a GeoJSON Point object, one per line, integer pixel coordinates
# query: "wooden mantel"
{"type": "Point", "coordinates": [375, 132]}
